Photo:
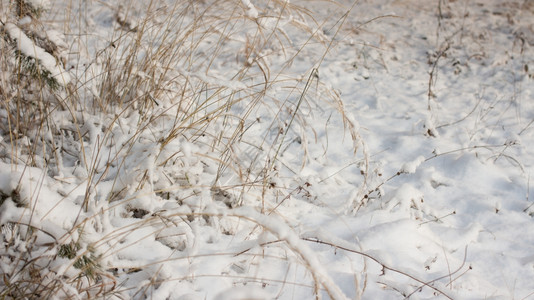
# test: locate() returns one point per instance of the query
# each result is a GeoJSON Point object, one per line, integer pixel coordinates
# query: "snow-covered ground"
{"type": "Point", "coordinates": [389, 156]}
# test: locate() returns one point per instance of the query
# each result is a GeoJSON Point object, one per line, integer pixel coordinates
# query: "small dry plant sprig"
{"type": "Point", "coordinates": [174, 118]}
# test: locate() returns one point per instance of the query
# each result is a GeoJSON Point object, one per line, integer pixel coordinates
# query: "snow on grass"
{"type": "Point", "coordinates": [251, 10]}
{"type": "Point", "coordinates": [30, 49]}
{"type": "Point", "coordinates": [206, 154]}
{"type": "Point", "coordinates": [411, 167]}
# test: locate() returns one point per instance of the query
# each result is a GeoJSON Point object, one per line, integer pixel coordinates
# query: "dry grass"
{"type": "Point", "coordinates": [150, 117]}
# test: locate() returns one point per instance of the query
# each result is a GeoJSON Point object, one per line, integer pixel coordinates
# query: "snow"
{"type": "Point", "coordinates": [251, 10]}
{"type": "Point", "coordinates": [411, 167]}
{"type": "Point", "coordinates": [28, 48]}
{"type": "Point", "coordinates": [393, 163]}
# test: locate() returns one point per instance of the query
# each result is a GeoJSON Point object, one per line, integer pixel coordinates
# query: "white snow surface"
{"type": "Point", "coordinates": [436, 203]}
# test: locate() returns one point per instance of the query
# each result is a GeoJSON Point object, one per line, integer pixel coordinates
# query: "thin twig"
{"type": "Point", "coordinates": [384, 266]}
